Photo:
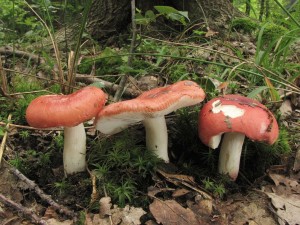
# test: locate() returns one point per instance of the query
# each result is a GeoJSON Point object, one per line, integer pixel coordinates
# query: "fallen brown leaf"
{"type": "Point", "coordinates": [287, 208]}
{"type": "Point", "coordinates": [104, 207]}
{"type": "Point", "coordinates": [180, 192]}
{"type": "Point", "coordinates": [170, 212]}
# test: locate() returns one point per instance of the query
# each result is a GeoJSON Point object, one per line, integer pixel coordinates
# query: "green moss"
{"type": "Point", "coordinates": [23, 84]}
{"type": "Point", "coordinates": [246, 24]}
{"type": "Point", "coordinates": [122, 165]}
{"type": "Point", "coordinates": [177, 72]}
{"type": "Point", "coordinates": [273, 31]}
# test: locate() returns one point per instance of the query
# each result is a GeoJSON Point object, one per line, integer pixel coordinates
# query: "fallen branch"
{"type": "Point", "coordinates": [108, 85]}
{"type": "Point", "coordinates": [7, 50]}
{"type": "Point", "coordinates": [33, 186]}
{"type": "Point", "coordinates": [25, 211]}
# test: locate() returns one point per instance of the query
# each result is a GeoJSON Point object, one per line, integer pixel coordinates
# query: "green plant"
{"type": "Point", "coordinates": [17, 23]}
{"type": "Point", "coordinates": [2, 130]}
{"type": "Point", "coordinates": [218, 189]}
{"type": "Point", "coordinates": [58, 141]}
{"type": "Point", "coordinates": [122, 165]}
{"type": "Point", "coordinates": [24, 134]}
{"type": "Point", "coordinates": [145, 162]}
{"type": "Point", "coordinates": [168, 12]}
{"type": "Point", "coordinates": [62, 186]}
{"type": "Point", "coordinates": [18, 163]}
{"type": "Point", "coordinates": [117, 158]}
{"type": "Point", "coordinates": [125, 192]}
{"type": "Point", "coordinates": [101, 171]}
{"type": "Point", "coordinates": [44, 159]}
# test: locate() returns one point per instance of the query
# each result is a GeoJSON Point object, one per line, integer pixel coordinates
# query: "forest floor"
{"type": "Point", "coordinates": [273, 198]}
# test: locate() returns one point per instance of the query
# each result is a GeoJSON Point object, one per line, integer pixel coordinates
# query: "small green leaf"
{"type": "Point", "coordinates": [1, 131]}
{"type": "Point", "coordinates": [165, 9]}
{"type": "Point", "coordinates": [256, 91]}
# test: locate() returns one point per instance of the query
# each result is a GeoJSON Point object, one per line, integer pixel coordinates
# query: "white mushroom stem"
{"type": "Point", "coordinates": [157, 136]}
{"type": "Point", "coordinates": [230, 154]}
{"type": "Point", "coordinates": [74, 149]}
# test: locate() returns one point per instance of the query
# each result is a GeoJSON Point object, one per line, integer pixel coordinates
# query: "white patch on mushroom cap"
{"type": "Point", "coordinates": [263, 128]}
{"type": "Point", "coordinates": [228, 110]}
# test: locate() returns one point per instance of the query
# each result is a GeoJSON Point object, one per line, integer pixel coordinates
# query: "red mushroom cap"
{"type": "Point", "coordinates": [65, 110]}
{"type": "Point", "coordinates": [154, 103]}
{"type": "Point", "coordinates": [235, 113]}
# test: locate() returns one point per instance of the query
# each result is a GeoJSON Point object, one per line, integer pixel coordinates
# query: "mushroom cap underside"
{"type": "Point", "coordinates": [154, 103]}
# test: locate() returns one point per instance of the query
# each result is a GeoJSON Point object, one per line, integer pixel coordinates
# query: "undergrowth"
{"type": "Point", "coordinates": [123, 167]}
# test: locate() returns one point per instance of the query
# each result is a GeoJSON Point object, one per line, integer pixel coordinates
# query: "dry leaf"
{"type": "Point", "coordinates": [121, 216]}
{"type": "Point", "coordinates": [206, 206]}
{"type": "Point", "coordinates": [211, 33]}
{"type": "Point", "coordinates": [56, 222]}
{"type": "Point", "coordinates": [280, 179]}
{"type": "Point", "coordinates": [297, 161]}
{"type": "Point", "coordinates": [104, 207]}
{"type": "Point", "coordinates": [151, 222]}
{"type": "Point", "coordinates": [178, 177]}
{"type": "Point", "coordinates": [131, 215]}
{"type": "Point", "coordinates": [180, 192]}
{"type": "Point", "coordinates": [152, 191]}
{"type": "Point", "coordinates": [50, 213]}
{"type": "Point", "coordinates": [286, 108]}
{"type": "Point", "coordinates": [287, 208]}
{"type": "Point", "coordinates": [252, 213]}
{"type": "Point", "coordinates": [170, 212]}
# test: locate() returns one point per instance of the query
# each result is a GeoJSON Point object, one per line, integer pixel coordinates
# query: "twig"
{"type": "Point", "coordinates": [29, 128]}
{"type": "Point", "coordinates": [3, 79]}
{"type": "Point", "coordinates": [33, 186]}
{"type": "Point", "coordinates": [4, 137]}
{"type": "Point", "coordinates": [124, 78]}
{"type": "Point", "coordinates": [25, 211]}
{"type": "Point", "coordinates": [110, 86]}
{"type": "Point", "coordinates": [34, 128]}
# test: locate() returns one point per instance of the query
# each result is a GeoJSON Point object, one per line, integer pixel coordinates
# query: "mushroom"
{"type": "Point", "coordinates": [69, 111]}
{"type": "Point", "coordinates": [235, 116]}
{"type": "Point", "coordinates": [150, 108]}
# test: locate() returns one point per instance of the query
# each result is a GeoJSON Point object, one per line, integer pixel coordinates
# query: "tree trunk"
{"type": "Point", "coordinates": [216, 13]}
{"type": "Point", "coordinates": [109, 17]}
